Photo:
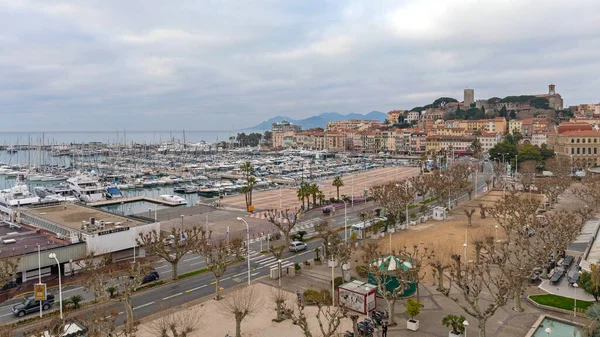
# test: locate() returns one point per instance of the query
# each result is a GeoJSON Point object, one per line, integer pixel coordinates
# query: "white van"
{"type": "Point", "coordinates": [360, 227]}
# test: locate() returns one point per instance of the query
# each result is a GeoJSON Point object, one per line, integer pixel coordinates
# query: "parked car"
{"type": "Point", "coordinates": [152, 276]}
{"type": "Point", "coordinates": [30, 305]}
{"type": "Point", "coordinates": [297, 246]}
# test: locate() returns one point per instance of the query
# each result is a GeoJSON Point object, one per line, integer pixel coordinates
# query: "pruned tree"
{"type": "Point", "coordinates": [329, 317]}
{"type": "Point", "coordinates": [236, 246]}
{"type": "Point", "coordinates": [440, 262]}
{"type": "Point", "coordinates": [498, 171]}
{"type": "Point", "coordinates": [589, 191]}
{"type": "Point", "coordinates": [54, 328]}
{"type": "Point", "coordinates": [282, 309]}
{"type": "Point", "coordinates": [527, 170]}
{"type": "Point", "coordinates": [285, 222]}
{"type": "Point", "coordinates": [552, 187]}
{"type": "Point", "coordinates": [183, 241]}
{"type": "Point", "coordinates": [395, 197]}
{"type": "Point", "coordinates": [482, 288]}
{"type": "Point", "coordinates": [482, 210]}
{"type": "Point", "coordinates": [97, 271]}
{"type": "Point", "coordinates": [239, 305]}
{"type": "Point", "coordinates": [440, 188]}
{"type": "Point", "coordinates": [418, 258]}
{"type": "Point", "coordinates": [385, 268]}
{"type": "Point", "coordinates": [217, 259]}
{"type": "Point", "coordinates": [469, 214]}
{"type": "Point", "coordinates": [102, 324]}
{"type": "Point", "coordinates": [421, 185]}
{"type": "Point", "coordinates": [129, 280]}
{"type": "Point", "coordinates": [458, 175]}
{"type": "Point", "coordinates": [182, 323]}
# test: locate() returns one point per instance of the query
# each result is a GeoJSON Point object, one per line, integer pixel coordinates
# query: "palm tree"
{"type": "Point", "coordinates": [321, 197]}
{"type": "Point", "coordinates": [593, 314]}
{"type": "Point", "coordinates": [75, 300]}
{"type": "Point", "coordinates": [247, 169]}
{"type": "Point", "coordinates": [338, 182]}
{"type": "Point", "coordinates": [300, 194]}
{"type": "Point", "coordinates": [313, 190]}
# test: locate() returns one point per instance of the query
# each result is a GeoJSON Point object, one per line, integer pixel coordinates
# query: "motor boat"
{"type": "Point", "coordinates": [113, 192]}
{"type": "Point", "coordinates": [87, 188]}
{"type": "Point", "coordinates": [18, 195]}
{"type": "Point", "coordinates": [48, 195]}
{"type": "Point", "coordinates": [174, 199]}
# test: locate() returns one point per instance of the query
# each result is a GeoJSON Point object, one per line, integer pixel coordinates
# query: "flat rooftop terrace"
{"type": "Point", "coordinates": [72, 216]}
{"type": "Point", "coordinates": [26, 241]}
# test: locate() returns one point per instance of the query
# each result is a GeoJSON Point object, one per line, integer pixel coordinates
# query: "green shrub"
{"type": "Point", "coordinates": [413, 308]}
{"type": "Point", "coordinates": [362, 271]}
{"type": "Point", "coordinates": [313, 296]}
{"type": "Point", "coordinates": [297, 266]}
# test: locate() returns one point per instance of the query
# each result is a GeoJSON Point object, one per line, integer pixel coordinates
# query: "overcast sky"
{"type": "Point", "coordinates": [201, 65]}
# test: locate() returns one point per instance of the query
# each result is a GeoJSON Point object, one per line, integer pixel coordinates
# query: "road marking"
{"type": "Point", "coordinates": [6, 315]}
{"type": "Point", "coordinates": [120, 313]}
{"type": "Point", "coordinates": [143, 305]}
{"type": "Point", "coordinates": [200, 287]}
{"type": "Point", "coordinates": [169, 297]}
{"type": "Point", "coordinates": [227, 278]}
{"type": "Point", "coordinates": [254, 274]}
{"type": "Point", "coordinates": [192, 258]}
{"type": "Point", "coordinates": [193, 264]}
{"type": "Point", "coordinates": [165, 266]}
{"type": "Point", "coordinates": [66, 291]}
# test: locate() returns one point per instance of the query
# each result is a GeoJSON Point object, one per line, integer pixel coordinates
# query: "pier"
{"type": "Point", "coordinates": [132, 199]}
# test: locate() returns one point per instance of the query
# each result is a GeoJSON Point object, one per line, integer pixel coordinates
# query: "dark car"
{"type": "Point", "coordinates": [153, 276]}
{"type": "Point", "coordinates": [30, 305]}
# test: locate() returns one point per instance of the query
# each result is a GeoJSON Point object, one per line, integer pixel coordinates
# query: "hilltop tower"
{"type": "Point", "coordinates": [551, 90]}
{"type": "Point", "coordinates": [469, 97]}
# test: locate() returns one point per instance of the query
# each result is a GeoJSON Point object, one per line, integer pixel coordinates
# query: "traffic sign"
{"type": "Point", "coordinates": [39, 291]}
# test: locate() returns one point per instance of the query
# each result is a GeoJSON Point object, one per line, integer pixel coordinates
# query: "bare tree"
{"type": "Point", "coordinates": [459, 180]}
{"type": "Point", "coordinates": [97, 271]}
{"type": "Point", "coordinates": [285, 221]}
{"type": "Point", "coordinates": [6, 331]}
{"type": "Point", "coordinates": [497, 171]}
{"type": "Point", "coordinates": [440, 187]}
{"type": "Point", "coordinates": [418, 258]}
{"type": "Point", "coordinates": [236, 245]}
{"type": "Point", "coordinates": [482, 210]}
{"type": "Point", "coordinates": [482, 289]}
{"type": "Point", "coordinates": [395, 197]}
{"type": "Point", "coordinates": [527, 170]}
{"type": "Point", "coordinates": [183, 241]}
{"type": "Point", "coordinates": [176, 324]}
{"type": "Point", "coordinates": [328, 316]}
{"type": "Point", "coordinates": [129, 281]}
{"type": "Point", "coordinates": [102, 324]}
{"type": "Point", "coordinates": [552, 187]}
{"type": "Point", "coordinates": [241, 304]}
{"type": "Point", "coordinates": [421, 185]}
{"type": "Point", "coordinates": [281, 298]}
{"type": "Point", "coordinates": [469, 214]}
{"type": "Point", "coordinates": [217, 260]}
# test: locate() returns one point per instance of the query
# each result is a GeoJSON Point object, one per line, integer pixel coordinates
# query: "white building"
{"type": "Point", "coordinates": [538, 138]}
{"type": "Point", "coordinates": [489, 140]}
{"type": "Point", "coordinates": [412, 116]}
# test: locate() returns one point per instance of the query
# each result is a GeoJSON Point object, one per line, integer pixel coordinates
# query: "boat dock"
{"type": "Point", "coordinates": [132, 199]}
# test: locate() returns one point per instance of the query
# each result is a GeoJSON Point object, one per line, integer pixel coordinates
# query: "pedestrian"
{"type": "Point", "coordinates": [384, 328]}
{"type": "Point", "coordinates": [468, 290]}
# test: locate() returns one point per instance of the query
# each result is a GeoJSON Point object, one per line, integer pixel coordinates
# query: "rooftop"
{"type": "Point", "coordinates": [26, 240]}
{"type": "Point", "coordinates": [74, 216]}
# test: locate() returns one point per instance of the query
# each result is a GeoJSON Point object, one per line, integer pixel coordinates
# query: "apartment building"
{"type": "Point", "coordinates": [353, 124]}
{"type": "Point", "coordinates": [489, 140]}
{"type": "Point", "coordinates": [579, 145]}
{"type": "Point", "coordinates": [284, 126]}
{"type": "Point", "coordinates": [458, 144]}
{"type": "Point", "coordinates": [539, 137]}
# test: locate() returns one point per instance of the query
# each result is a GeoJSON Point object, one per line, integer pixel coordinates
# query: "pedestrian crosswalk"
{"type": "Point", "coordinates": [268, 261]}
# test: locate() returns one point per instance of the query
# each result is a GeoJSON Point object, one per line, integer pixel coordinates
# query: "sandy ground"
{"type": "Point", "coordinates": [214, 323]}
{"type": "Point", "coordinates": [364, 180]}
{"type": "Point", "coordinates": [448, 236]}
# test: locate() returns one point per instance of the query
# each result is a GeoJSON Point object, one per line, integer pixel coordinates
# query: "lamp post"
{"type": "Point", "coordinates": [247, 245]}
{"type": "Point", "coordinates": [575, 286]}
{"type": "Point", "coordinates": [52, 256]}
{"type": "Point", "coordinates": [40, 273]}
{"type": "Point", "coordinates": [516, 165]}
{"type": "Point", "coordinates": [332, 277]}
{"type": "Point", "coordinates": [465, 246]}
{"type": "Point", "coordinates": [496, 228]}
{"type": "Point", "coordinates": [181, 216]}
{"type": "Point", "coordinates": [279, 264]}
{"type": "Point", "coordinates": [466, 324]}
{"type": "Point", "coordinates": [345, 222]}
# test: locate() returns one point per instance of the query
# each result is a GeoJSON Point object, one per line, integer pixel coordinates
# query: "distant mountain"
{"type": "Point", "coordinates": [320, 121]}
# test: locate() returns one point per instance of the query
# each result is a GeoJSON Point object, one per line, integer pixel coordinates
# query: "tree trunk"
{"type": "Point", "coordinates": [518, 305]}
{"type": "Point", "coordinates": [354, 319]}
{"type": "Point", "coordinates": [129, 327]}
{"type": "Point", "coordinates": [470, 193]}
{"type": "Point", "coordinates": [279, 310]}
{"type": "Point", "coordinates": [217, 288]}
{"type": "Point", "coordinates": [174, 271]}
{"type": "Point", "coordinates": [391, 304]}
{"type": "Point", "coordinates": [338, 192]}
{"type": "Point", "coordinates": [481, 323]}
{"type": "Point", "coordinates": [238, 325]}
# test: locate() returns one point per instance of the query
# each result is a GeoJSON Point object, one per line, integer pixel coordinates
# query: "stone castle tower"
{"type": "Point", "coordinates": [469, 97]}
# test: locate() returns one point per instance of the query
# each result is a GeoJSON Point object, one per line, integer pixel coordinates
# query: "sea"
{"type": "Point", "coordinates": [117, 136]}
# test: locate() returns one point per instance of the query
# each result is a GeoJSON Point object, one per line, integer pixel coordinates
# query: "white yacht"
{"type": "Point", "coordinates": [18, 195]}
{"type": "Point", "coordinates": [87, 188]}
{"type": "Point", "coordinates": [48, 195]}
{"type": "Point", "coordinates": [173, 198]}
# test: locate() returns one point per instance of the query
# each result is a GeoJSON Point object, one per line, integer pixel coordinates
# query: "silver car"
{"type": "Point", "coordinates": [297, 246]}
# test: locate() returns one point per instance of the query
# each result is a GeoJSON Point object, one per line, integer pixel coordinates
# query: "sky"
{"type": "Point", "coordinates": [219, 65]}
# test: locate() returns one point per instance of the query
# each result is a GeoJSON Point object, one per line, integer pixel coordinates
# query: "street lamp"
{"type": "Point", "coordinates": [465, 246]}
{"type": "Point", "coordinates": [496, 227]}
{"type": "Point", "coordinates": [345, 222]}
{"type": "Point", "coordinates": [466, 324]}
{"type": "Point", "coordinates": [181, 216]}
{"type": "Point", "coordinates": [247, 245]}
{"type": "Point", "coordinates": [332, 276]}
{"type": "Point", "coordinates": [575, 286]}
{"type": "Point", "coordinates": [279, 264]}
{"type": "Point", "coordinates": [53, 256]}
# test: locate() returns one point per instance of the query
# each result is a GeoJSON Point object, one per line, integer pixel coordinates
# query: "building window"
{"type": "Point", "coordinates": [577, 140]}
{"type": "Point", "coordinates": [589, 140]}
{"type": "Point", "coordinates": [572, 151]}
{"type": "Point", "coordinates": [583, 140]}
{"type": "Point", "coordinates": [572, 140]}
{"type": "Point", "coordinates": [595, 150]}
